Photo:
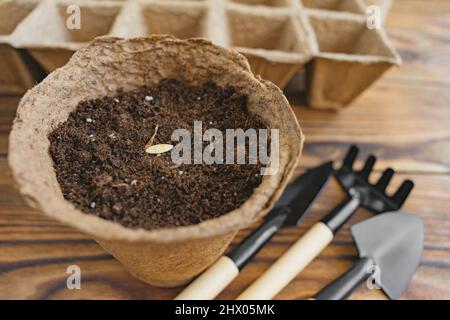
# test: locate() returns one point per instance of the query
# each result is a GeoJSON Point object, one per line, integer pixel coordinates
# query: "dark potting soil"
{"type": "Point", "coordinates": [102, 167]}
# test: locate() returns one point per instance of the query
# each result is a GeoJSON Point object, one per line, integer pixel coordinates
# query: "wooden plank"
{"type": "Point", "coordinates": [422, 41]}
{"type": "Point", "coordinates": [406, 125]}
{"type": "Point", "coordinates": [35, 252]}
{"type": "Point", "coordinates": [430, 8]}
{"type": "Point", "coordinates": [8, 106]}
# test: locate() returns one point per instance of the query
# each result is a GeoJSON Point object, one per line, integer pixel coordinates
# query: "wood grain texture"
{"type": "Point", "coordinates": [35, 252]}
{"type": "Point", "coordinates": [404, 119]}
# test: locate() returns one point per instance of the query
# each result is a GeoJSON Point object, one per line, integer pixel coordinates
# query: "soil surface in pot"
{"type": "Point", "coordinates": [102, 166]}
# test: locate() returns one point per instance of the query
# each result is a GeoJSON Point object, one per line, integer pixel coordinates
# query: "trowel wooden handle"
{"type": "Point", "coordinates": [286, 268]}
{"type": "Point", "coordinates": [209, 284]}
{"type": "Point", "coordinates": [216, 278]}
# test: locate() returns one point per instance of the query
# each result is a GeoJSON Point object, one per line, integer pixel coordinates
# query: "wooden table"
{"type": "Point", "coordinates": [404, 119]}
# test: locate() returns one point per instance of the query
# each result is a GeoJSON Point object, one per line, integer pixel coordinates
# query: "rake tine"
{"type": "Point", "coordinates": [385, 179]}
{"type": "Point", "coordinates": [350, 157]}
{"type": "Point", "coordinates": [368, 166]}
{"type": "Point", "coordinates": [402, 193]}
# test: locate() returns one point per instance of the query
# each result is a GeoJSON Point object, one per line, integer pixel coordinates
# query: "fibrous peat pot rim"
{"type": "Point", "coordinates": [93, 72]}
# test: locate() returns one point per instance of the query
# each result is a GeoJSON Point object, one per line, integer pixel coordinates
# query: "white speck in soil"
{"type": "Point", "coordinates": [180, 172]}
{"type": "Point", "coordinates": [116, 100]}
{"type": "Point", "coordinates": [93, 204]}
{"type": "Point", "coordinates": [149, 98]}
{"type": "Point", "coordinates": [134, 182]}
{"type": "Point", "coordinates": [89, 120]}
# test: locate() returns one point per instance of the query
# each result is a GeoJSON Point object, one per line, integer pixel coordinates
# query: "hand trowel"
{"type": "Point", "coordinates": [287, 212]}
{"type": "Point", "coordinates": [390, 248]}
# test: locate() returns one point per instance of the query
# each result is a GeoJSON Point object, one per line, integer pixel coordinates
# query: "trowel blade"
{"type": "Point", "coordinates": [394, 241]}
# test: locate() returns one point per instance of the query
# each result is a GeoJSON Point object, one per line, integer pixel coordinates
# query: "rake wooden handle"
{"type": "Point", "coordinates": [286, 268]}
{"type": "Point", "coordinates": [209, 284]}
